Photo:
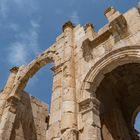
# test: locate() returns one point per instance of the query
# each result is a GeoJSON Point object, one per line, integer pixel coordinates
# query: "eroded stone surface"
{"type": "Point", "coordinates": [95, 74]}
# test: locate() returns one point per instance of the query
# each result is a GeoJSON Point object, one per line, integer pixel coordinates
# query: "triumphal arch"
{"type": "Point", "coordinates": [96, 85]}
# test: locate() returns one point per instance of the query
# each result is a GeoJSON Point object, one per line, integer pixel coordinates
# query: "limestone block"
{"type": "Point", "coordinates": [68, 121]}
{"type": "Point", "coordinates": [68, 53]}
{"type": "Point", "coordinates": [56, 93]}
{"type": "Point", "coordinates": [69, 106]}
{"type": "Point", "coordinates": [54, 131]}
{"type": "Point", "coordinates": [55, 116]}
{"type": "Point", "coordinates": [4, 135]}
{"type": "Point", "coordinates": [69, 81]}
{"type": "Point", "coordinates": [79, 34]}
{"type": "Point", "coordinates": [91, 133]}
{"type": "Point", "coordinates": [8, 115]}
{"type": "Point", "coordinates": [68, 94]}
{"type": "Point", "coordinates": [57, 84]}
{"type": "Point", "coordinates": [2, 103]}
{"type": "Point", "coordinates": [92, 118]}
{"type": "Point", "coordinates": [70, 134]}
{"type": "Point", "coordinates": [56, 104]}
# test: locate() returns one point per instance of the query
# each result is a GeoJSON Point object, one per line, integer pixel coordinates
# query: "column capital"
{"type": "Point", "coordinates": [110, 10]}
{"type": "Point", "coordinates": [89, 25]}
{"type": "Point", "coordinates": [68, 24]}
{"type": "Point", "coordinates": [14, 69]}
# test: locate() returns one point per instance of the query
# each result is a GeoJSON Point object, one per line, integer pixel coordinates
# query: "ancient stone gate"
{"type": "Point", "coordinates": [96, 85]}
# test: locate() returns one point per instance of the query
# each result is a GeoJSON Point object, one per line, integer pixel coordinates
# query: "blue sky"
{"type": "Point", "coordinates": [27, 27]}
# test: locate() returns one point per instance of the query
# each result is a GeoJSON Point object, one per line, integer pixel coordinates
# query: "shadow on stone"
{"type": "Point", "coordinates": [24, 125]}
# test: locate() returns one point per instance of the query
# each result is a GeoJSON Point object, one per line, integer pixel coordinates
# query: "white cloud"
{"type": "Point", "coordinates": [75, 18]}
{"type": "Point", "coordinates": [17, 54]}
{"type": "Point", "coordinates": [13, 26]}
{"type": "Point", "coordinates": [25, 46]}
{"type": "Point", "coordinates": [3, 8]}
{"type": "Point", "coordinates": [25, 6]}
{"type": "Point", "coordinates": [34, 24]}
{"type": "Point", "coordinates": [26, 42]}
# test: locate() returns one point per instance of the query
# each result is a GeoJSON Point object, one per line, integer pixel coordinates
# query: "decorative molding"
{"type": "Point", "coordinates": [89, 104]}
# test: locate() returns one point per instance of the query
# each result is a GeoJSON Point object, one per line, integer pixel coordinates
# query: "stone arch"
{"type": "Point", "coordinates": [89, 102]}
{"type": "Point", "coordinates": [125, 55]}
{"type": "Point", "coordinates": [28, 71]}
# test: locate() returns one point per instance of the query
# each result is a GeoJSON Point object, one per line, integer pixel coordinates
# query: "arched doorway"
{"type": "Point", "coordinates": [119, 96]}
{"type": "Point", "coordinates": [110, 95]}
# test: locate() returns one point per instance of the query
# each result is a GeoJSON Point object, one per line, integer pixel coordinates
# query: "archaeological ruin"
{"type": "Point", "coordinates": [96, 85]}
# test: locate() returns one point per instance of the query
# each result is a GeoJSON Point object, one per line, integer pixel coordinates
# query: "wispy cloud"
{"type": "Point", "coordinates": [26, 6]}
{"type": "Point", "coordinates": [3, 8]}
{"type": "Point", "coordinates": [26, 45]}
{"type": "Point", "coordinates": [35, 24]}
{"type": "Point", "coordinates": [26, 42]}
{"type": "Point", "coordinates": [17, 53]}
{"type": "Point", "coordinates": [75, 17]}
{"type": "Point", "coordinates": [13, 26]}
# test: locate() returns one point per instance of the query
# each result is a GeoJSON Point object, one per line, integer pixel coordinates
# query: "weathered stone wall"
{"type": "Point", "coordinates": [29, 122]}
{"type": "Point", "coordinates": [81, 57]}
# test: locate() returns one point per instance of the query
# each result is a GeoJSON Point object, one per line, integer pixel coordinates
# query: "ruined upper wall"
{"type": "Point", "coordinates": [74, 54]}
{"type": "Point", "coordinates": [120, 26]}
{"type": "Point", "coordinates": [31, 119]}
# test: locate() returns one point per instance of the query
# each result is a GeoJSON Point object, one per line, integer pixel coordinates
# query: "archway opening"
{"type": "Point", "coordinates": [40, 85]}
{"type": "Point", "coordinates": [32, 111]}
{"type": "Point", "coordinates": [119, 96]}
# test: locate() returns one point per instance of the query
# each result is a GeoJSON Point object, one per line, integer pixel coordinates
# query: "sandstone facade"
{"type": "Point", "coordinates": [96, 92]}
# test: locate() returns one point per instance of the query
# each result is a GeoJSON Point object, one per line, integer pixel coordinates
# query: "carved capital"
{"type": "Point", "coordinates": [14, 70]}
{"type": "Point", "coordinates": [89, 25]}
{"type": "Point", "coordinates": [68, 24]}
{"type": "Point", "coordinates": [109, 12]}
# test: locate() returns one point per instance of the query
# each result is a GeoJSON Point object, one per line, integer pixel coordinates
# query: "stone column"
{"type": "Point", "coordinates": [68, 118]}
{"type": "Point", "coordinates": [8, 107]}
{"type": "Point", "coordinates": [89, 110]}
{"type": "Point", "coordinates": [7, 89]}
{"type": "Point", "coordinates": [10, 81]}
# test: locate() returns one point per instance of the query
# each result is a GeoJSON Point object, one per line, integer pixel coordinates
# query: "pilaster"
{"type": "Point", "coordinates": [89, 111]}
{"type": "Point", "coordinates": [68, 117]}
